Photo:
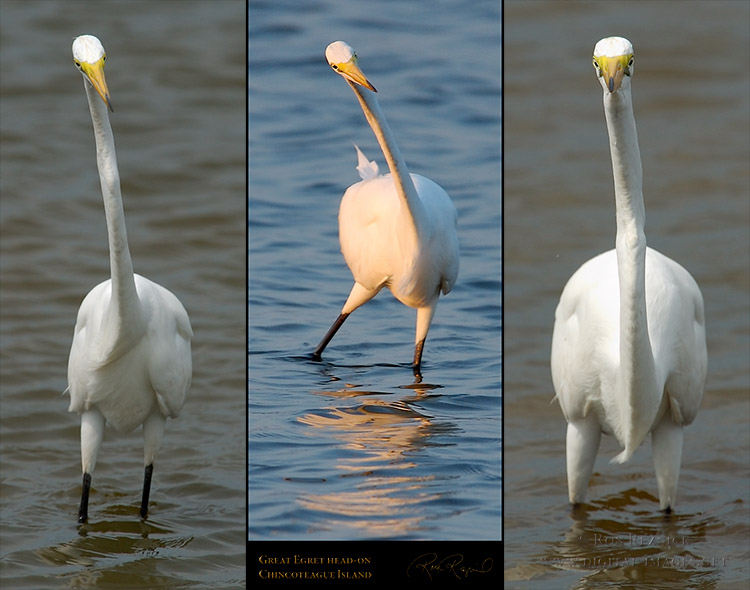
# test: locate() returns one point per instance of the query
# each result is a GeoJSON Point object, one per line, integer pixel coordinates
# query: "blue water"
{"type": "Point", "coordinates": [347, 448]}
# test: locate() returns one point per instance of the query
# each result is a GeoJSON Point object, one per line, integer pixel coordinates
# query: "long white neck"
{"type": "Point", "coordinates": [124, 297]}
{"type": "Point", "coordinates": [637, 387]}
{"type": "Point", "coordinates": [396, 163]}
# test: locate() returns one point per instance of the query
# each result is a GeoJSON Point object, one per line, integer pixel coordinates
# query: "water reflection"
{"type": "Point", "coordinates": [621, 538]}
{"type": "Point", "coordinates": [379, 443]}
{"type": "Point", "coordinates": [133, 541]}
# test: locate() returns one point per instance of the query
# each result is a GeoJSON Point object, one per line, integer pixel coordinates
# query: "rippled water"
{"type": "Point", "coordinates": [690, 94]}
{"type": "Point", "coordinates": [347, 448]}
{"type": "Point", "coordinates": [177, 79]}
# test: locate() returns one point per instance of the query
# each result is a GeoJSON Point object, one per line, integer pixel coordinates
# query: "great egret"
{"type": "Point", "coordinates": [629, 344]}
{"type": "Point", "coordinates": [397, 230]}
{"type": "Point", "coordinates": [130, 361]}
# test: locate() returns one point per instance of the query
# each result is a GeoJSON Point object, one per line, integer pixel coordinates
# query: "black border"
{"type": "Point", "coordinates": [355, 564]}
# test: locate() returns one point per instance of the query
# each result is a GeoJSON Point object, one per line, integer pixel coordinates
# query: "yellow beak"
{"type": "Point", "coordinates": [350, 70]}
{"type": "Point", "coordinates": [613, 69]}
{"type": "Point", "coordinates": [95, 74]}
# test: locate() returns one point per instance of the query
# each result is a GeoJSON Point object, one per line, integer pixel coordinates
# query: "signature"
{"type": "Point", "coordinates": [429, 564]}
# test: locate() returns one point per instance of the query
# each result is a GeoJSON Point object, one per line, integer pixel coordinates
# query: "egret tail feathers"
{"type": "Point", "coordinates": [624, 456]}
{"type": "Point", "coordinates": [367, 170]}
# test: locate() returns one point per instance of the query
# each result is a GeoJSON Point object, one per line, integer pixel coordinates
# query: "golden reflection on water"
{"type": "Point", "coordinates": [377, 438]}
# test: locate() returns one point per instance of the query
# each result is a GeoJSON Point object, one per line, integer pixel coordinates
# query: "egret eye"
{"type": "Point", "coordinates": [78, 63]}
{"type": "Point", "coordinates": [334, 66]}
{"type": "Point", "coordinates": [597, 68]}
{"type": "Point", "coordinates": [630, 65]}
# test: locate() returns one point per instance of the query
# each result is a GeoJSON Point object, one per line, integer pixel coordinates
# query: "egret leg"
{"type": "Point", "coordinates": [329, 335]}
{"type": "Point", "coordinates": [666, 445]}
{"type": "Point", "coordinates": [153, 430]}
{"type": "Point", "coordinates": [92, 433]}
{"type": "Point", "coordinates": [581, 447]}
{"type": "Point", "coordinates": [148, 472]}
{"type": "Point", "coordinates": [83, 510]}
{"type": "Point", "coordinates": [424, 319]}
{"type": "Point", "coordinates": [417, 363]}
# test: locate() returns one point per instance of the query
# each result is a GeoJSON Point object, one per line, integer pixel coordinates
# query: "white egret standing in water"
{"type": "Point", "coordinates": [629, 343]}
{"type": "Point", "coordinates": [397, 230]}
{"type": "Point", "coordinates": [130, 361]}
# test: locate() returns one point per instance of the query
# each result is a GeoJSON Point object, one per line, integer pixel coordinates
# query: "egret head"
{"type": "Point", "coordinates": [89, 57]}
{"type": "Point", "coordinates": [613, 62]}
{"type": "Point", "coordinates": [343, 60]}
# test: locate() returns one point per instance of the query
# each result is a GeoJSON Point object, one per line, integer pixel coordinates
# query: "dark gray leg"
{"type": "Point", "coordinates": [83, 511]}
{"type": "Point", "coordinates": [417, 364]}
{"type": "Point", "coordinates": [146, 489]}
{"type": "Point", "coordinates": [329, 335]}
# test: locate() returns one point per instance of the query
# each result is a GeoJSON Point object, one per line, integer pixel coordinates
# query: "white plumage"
{"type": "Point", "coordinates": [397, 230]}
{"type": "Point", "coordinates": [130, 361]}
{"type": "Point", "coordinates": [629, 346]}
